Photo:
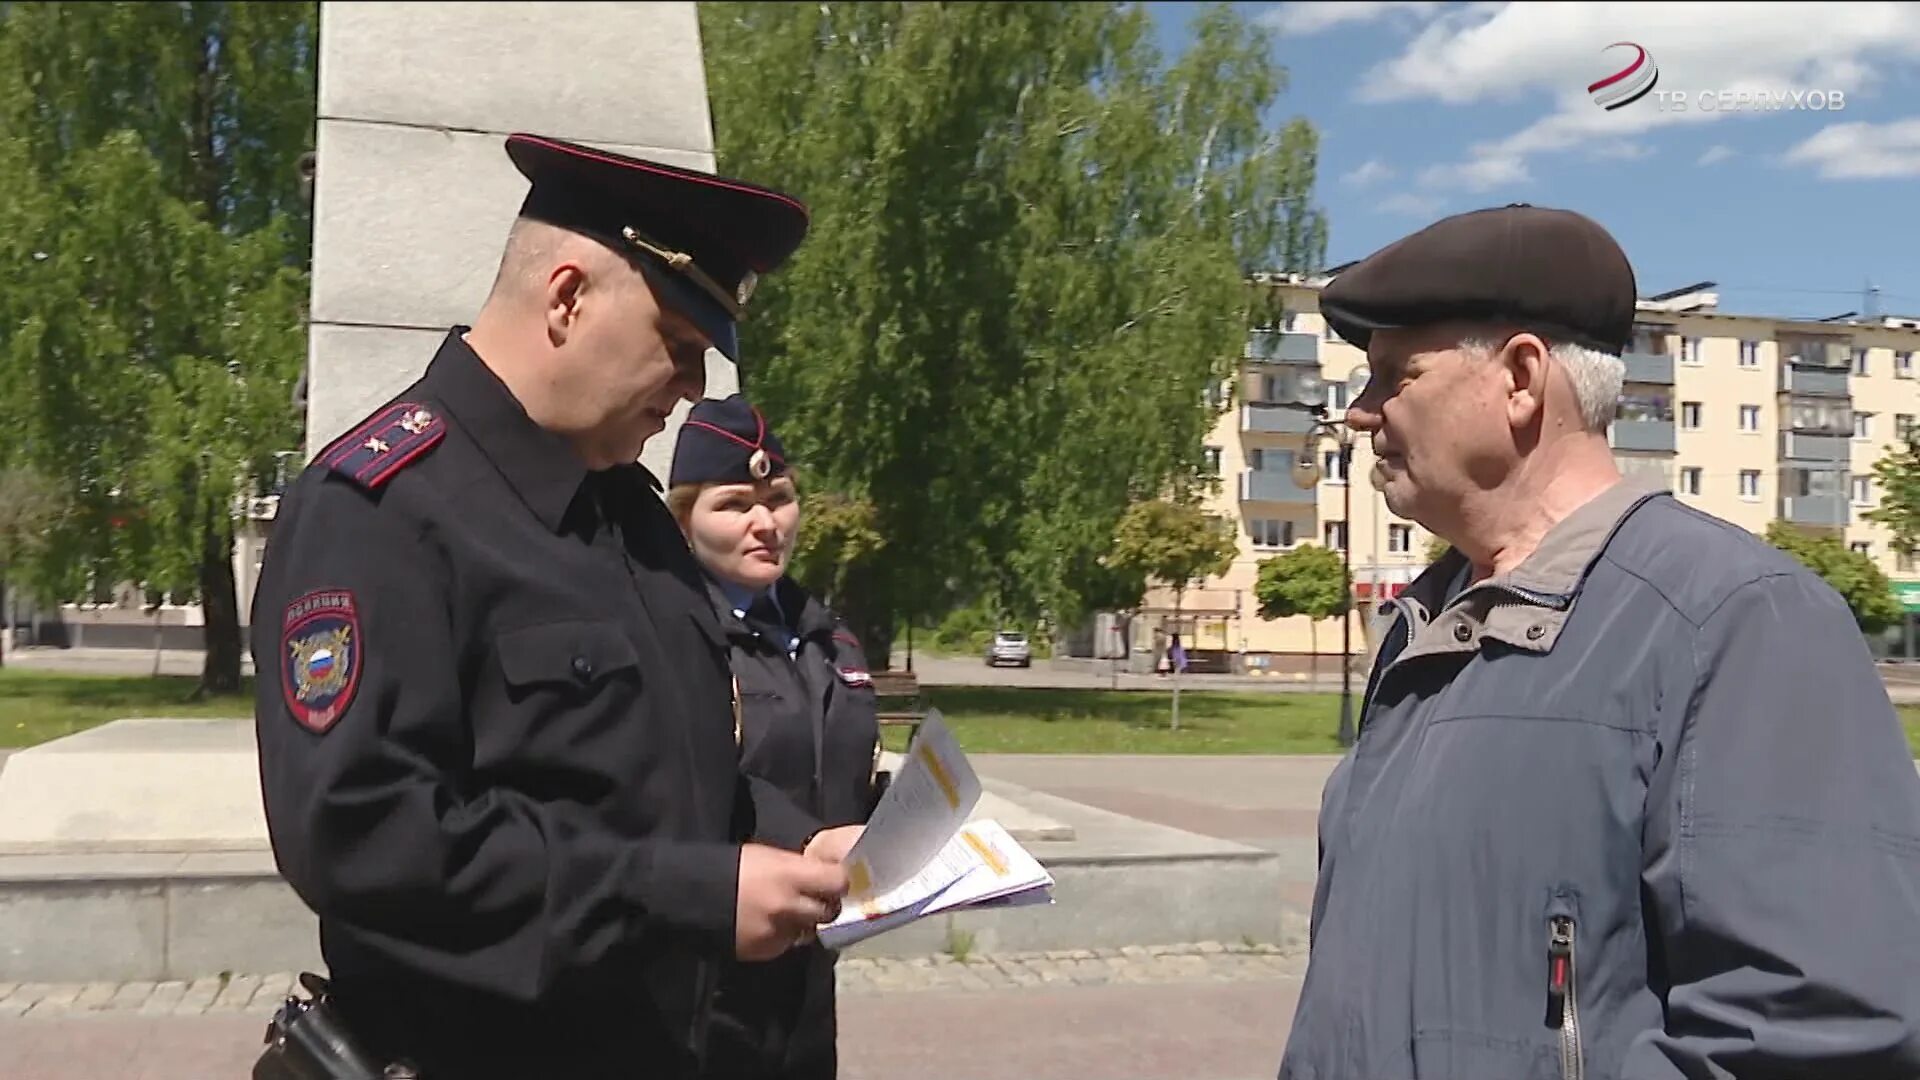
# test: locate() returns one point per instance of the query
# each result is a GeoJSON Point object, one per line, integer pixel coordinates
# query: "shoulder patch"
{"type": "Point", "coordinates": [320, 657]}
{"type": "Point", "coordinates": [384, 443]}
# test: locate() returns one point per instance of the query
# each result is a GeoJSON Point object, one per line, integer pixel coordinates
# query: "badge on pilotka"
{"type": "Point", "coordinates": [320, 654]}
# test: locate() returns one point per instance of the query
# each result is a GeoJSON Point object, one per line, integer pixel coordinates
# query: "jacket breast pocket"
{"type": "Point", "coordinates": [574, 659]}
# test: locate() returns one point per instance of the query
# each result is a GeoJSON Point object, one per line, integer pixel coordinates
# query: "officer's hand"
{"type": "Point", "coordinates": [783, 899]}
{"type": "Point", "coordinates": [832, 845]}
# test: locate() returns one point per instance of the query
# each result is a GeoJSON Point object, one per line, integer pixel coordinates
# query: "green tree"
{"type": "Point", "coordinates": [1897, 475]}
{"type": "Point", "coordinates": [1175, 543]}
{"type": "Point", "coordinates": [153, 254]}
{"type": "Point", "coordinates": [29, 508]}
{"type": "Point", "coordinates": [1853, 575]}
{"type": "Point", "coordinates": [1030, 242]}
{"type": "Point", "coordinates": [836, 534]}
{"type": "Point", "coordinates": [1436, 548]}
{"type": "Point", "coordinates": [1309, 580]}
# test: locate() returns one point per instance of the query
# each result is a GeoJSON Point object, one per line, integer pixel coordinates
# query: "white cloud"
{"type": "Point", "coordinates": [1301, 19]}
{"type": "Point", "coordinates": [1861, 151]}
{"type": "Point", "coordinates": [1372, 172]}
{"type": "Point", "coordinates": [1410, 204]}
{"type": "Point", "coordinates": [1482, 173]}
{"type": "Point", "coordinates": [1716, 154]}
{"type": "Point", "coordinates": [1551, 53]}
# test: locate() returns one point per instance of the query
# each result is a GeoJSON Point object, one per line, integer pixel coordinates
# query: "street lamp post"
{"type": "Point", "coordinates": [1307, 476]}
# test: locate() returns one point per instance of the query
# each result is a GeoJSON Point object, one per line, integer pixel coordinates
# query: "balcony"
{"type": "Point", "coordinates": [1283, 347]}
{"type": "Point", "coordinates": [1824, 511]}
{"type": "Point", "coordinates": [1271, 485]}
{"type": "Point", "coordinates": [1275, 419]}
{"type": "Point", "coordinates": [1649, 367]}
{"type": "Point", "coordinates": [1802, 446]}
{"type": "Point", "coordinates": [1654, 435]}
{"type": "Point", "coordinates": [1813, 381]}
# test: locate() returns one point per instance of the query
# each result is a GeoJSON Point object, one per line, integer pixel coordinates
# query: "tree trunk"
{"type": "Point", "coordinates": [869, 616]}
{"type": "Point", "coordinates": [6, 621]}
{"type": "Point", "coordinates": [1313, 636]}
{"type": "Point", "coordinates": [219, 600]}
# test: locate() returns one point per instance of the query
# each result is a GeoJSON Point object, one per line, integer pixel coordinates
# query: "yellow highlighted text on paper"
{"type": "Point", "coordinates": [940, 776]}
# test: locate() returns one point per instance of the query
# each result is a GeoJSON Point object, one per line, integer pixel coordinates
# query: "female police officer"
{"type": "Point", "coordinates": [807, 711]}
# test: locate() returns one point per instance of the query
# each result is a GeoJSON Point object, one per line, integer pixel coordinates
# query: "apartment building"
{"type": "Point", "coordinates": [1749, 418]}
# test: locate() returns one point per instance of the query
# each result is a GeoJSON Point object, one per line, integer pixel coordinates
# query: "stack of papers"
{"type": "Point", "coordinates": [921, 855]}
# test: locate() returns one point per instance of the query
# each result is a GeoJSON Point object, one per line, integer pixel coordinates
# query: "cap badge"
{"type": "Point", "coordinates": [744, 292]}
{"type": "Point", "coordinates": [759, 465]}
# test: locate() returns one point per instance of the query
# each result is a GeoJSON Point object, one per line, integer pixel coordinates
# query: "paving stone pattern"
{"type": "Point", "coordinates": [260, 995]}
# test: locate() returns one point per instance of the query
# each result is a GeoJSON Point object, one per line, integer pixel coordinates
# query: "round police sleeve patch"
{"type": "Point", "coordinates": [320, 654]}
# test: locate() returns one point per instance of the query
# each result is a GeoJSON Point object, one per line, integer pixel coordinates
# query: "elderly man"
{"type": "Point", "coordinates": [498, 737]}
{"type": "Point", "coordinates": [1628, 798]}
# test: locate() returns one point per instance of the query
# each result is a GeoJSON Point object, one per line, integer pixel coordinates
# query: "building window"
{"type": "Point", "coordinates": [1271, 533]}
{"type": "Point", "coordinates": [1749, 484]}
{"type": "Point", "coordinates": [1649, 406]}
{"type": "Point", "coordinates": [1749, 418]}
{"type": "Point", "coordinates": [1862, 547]}
{"type": "Point", "coordinates": [1216, 394]}
{"type": "Point", "coordinates": [1335, 534]}
{"type": "Point", "coordinates": [1336, 397]}
{"type": "Point", "coordinates": [1690, 480]}
{"type": "Point", "coordinates": [1863, 491]}
{"type": "Point", "coordinates": [1690, 415]}
{"type": "Point", "coordinates": [1400, 539]}
{"type": "Point", "coordinates": [1863, 425]}
{"type": "Point", "coordinates": [1210, 460]}
{"type": "Point", "coordinates": [1689, 350]}
{"type": "Point", "coordinates": [1903, 365]}
{"type": "Point", "coordinates": [1902, 563]}
{"type": "Point", "coordinates": [1859, 361]}
{"type": "Point", "coordinates": [1287, 319]}
{"type": "Point", "coordinates": [1902, 426]}
{"type": "Point", "coordinates": [1331, 468]}
{"type": "Point", "coordinates": [1749, 354]}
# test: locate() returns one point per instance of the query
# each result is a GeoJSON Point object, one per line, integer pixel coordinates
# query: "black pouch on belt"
{"type": "Point", "coordinates": [307, 1040]}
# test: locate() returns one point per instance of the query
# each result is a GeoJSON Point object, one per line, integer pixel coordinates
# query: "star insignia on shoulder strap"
{"type": "Point", "coordinates": [388, 441]}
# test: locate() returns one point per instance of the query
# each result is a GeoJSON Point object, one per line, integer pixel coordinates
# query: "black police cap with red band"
{"type": "Point", "coordinates": [726, 441]}
{"type": "Point", "coordinates": [702, 240]}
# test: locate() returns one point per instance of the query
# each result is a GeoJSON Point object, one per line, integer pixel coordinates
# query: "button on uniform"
{"type": "Point", "coordinates": [1462, 632]}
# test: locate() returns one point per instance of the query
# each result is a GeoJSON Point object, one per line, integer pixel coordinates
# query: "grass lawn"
{"type": "Point", "coordinates": [37, 706]}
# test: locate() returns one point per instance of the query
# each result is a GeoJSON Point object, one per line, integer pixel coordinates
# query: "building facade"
{"type": "Point", "coordinates": [1750, 418]}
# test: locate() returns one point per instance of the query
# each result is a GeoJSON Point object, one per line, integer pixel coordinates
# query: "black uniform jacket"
{"type": "Point", "coordinates": [497, 743]}
{"type": "Point", "coordinates": [809, 719]}
{"type": "Point", "coordinates": [809, 726]}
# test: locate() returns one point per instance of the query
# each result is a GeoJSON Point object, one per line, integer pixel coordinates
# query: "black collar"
{"type": "Point", "coordinates": [537, 464]}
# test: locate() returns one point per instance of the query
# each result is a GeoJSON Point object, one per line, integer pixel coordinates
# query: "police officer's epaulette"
{"type": "Point", "coordinates": [383, 444]}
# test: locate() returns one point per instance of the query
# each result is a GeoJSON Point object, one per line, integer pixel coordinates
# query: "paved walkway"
{"type": "Point", "coordinates": [1207, 1011]}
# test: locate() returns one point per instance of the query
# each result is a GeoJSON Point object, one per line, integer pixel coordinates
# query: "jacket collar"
{"type": "Point", "coordinates": [804, 612]}
{"type": "Point", "coordinates": [540, 467]}
{"type": "Point", "coordinates": [1528, 606]}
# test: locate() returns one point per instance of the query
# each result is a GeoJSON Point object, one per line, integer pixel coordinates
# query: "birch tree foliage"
{"type": "Point", "coordinates": [1028, 258]}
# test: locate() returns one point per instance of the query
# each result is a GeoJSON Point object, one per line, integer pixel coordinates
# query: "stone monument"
{"type": "Point", "coordinates": [413, 192]}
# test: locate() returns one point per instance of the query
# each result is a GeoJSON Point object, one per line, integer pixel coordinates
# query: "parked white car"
{"type": "Point", "coordinates": [1009, 647]}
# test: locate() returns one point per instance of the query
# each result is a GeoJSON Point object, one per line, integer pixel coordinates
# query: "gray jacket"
{"type": "Point", "coordinates": [1640, 808]}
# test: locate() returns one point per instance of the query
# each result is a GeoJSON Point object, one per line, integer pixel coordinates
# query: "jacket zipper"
{"type": "Point", "coordinates": [1563, 999]}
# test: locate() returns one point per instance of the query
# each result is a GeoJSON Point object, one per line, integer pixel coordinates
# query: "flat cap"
{"type": "Point", "coordinates": [1554, 272]}
{"type": "Point", "coordinates": [702, 240]}
{"type": "Point", "coordinates": [726, 441]}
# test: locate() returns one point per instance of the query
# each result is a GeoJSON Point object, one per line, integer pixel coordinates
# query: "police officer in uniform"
{"type": "Point", "coordinates": [497, 731]}
{"type": "Point", "coordinates": [809, 718]}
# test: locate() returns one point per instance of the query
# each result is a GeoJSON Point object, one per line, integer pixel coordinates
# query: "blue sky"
{"type": "Point", "coordinates": [1427, 109]}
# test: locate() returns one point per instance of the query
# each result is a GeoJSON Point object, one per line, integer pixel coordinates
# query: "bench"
{"type": "Point", "coordinates": [900, 701]}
